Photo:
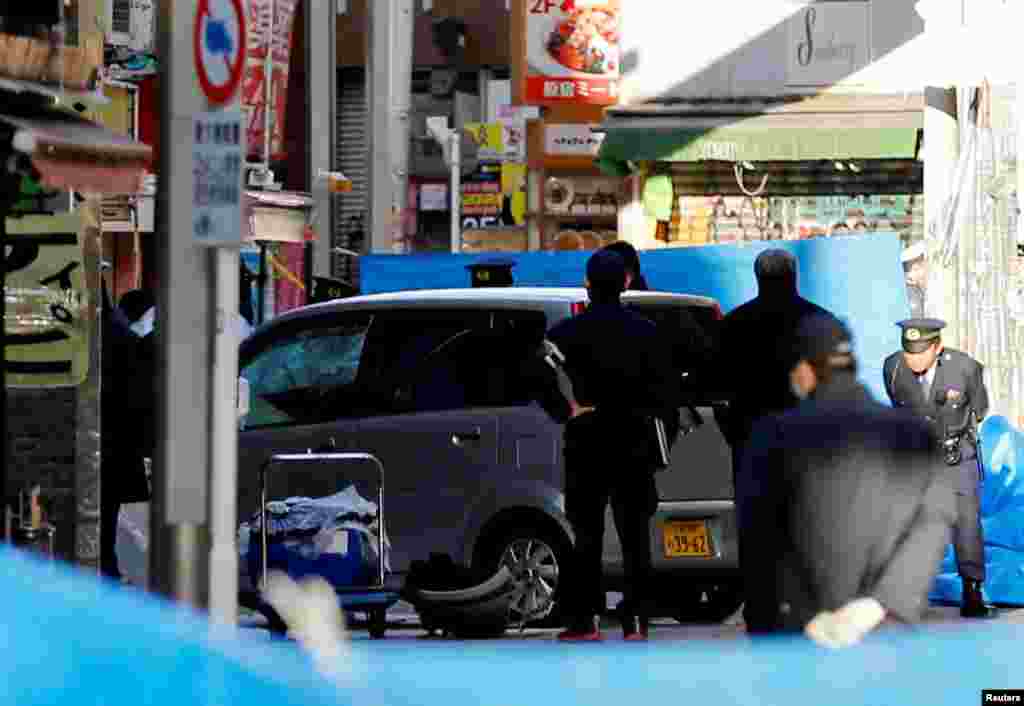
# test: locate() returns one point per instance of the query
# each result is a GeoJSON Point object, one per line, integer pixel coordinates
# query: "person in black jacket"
{"type": "Point", "coordinates": [629, 255]}
{"type": "Point", "coordinates": [845, 517]}
{"type": "Point", "coordinates": [755, 349]}
{"type": "Point", "coordinates": [621, 375]}
{"type": "Point", "coordinates": [127, 398]}
{"type": "Point", "coordinates": [945, 387]}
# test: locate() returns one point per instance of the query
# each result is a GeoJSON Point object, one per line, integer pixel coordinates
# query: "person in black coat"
{"type": "Point", "coordinates": [754, 357]}
{"type": "Point", "coordinates": [127, 401]}
{"type": "Point", "coordinates": [945, 387]}
{"type": "Point", "coordinates": [621, 375]}
{"type": "Point", "coordinates": [693, 349]}
{"type": "Point", "coordinates": [845, 517]}
{"type": "Point", "coordinates": [631, 257]}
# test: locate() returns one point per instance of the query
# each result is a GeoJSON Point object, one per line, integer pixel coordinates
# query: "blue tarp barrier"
{"type": "Point", "coordinates": [859, 278]}
{"type": "Point", "coordinates": [71, 640]}
{"type": "Point", "coordinates": [1002, 520]}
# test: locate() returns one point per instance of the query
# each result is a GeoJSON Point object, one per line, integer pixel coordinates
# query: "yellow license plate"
{"type": "Point", "coordinates": [689, 538]}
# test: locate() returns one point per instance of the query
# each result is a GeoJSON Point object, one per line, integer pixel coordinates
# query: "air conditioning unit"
{"type": "Point", "coordinates": [130, 23]}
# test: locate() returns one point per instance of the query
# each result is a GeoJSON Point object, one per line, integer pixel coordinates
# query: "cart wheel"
{"type": "Point", "coordinates": [378, 622]}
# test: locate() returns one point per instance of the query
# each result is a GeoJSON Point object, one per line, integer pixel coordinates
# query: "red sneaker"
{"type": "Point", "coordinates": [572, 635]}
{"type": "Point", "coordinates": [636, 637]}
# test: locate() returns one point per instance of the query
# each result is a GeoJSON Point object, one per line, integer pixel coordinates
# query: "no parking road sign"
{"type": "Point", "coordinates": [218, 44]}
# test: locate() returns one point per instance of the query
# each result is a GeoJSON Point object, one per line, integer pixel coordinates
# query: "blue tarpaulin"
{"type": "Point", "coordinates": [71, 640]}
{"type": "Point", "coordinates": [858, 278]}
{"type": "Point", "coordinates": [1002, 520]}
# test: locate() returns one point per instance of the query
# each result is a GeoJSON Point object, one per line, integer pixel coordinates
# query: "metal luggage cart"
{"type": "Point", "coordinates": [374, 599]}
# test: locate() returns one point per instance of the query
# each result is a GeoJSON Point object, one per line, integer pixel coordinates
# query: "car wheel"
{"type": "Point", "coordinates": [536, 559]}
{"type": "Point", "coordinates": [707, 604]}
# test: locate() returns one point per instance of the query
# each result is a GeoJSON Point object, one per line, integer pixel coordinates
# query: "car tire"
{"type": "Point", "coordinates": [536, 556]}
{"type": "Point", "coordinates": [708, 604]}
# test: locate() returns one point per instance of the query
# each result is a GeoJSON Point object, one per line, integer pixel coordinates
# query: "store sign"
{"type": "Point", "coordinates": [828, 42]}
{"type": "Point", "coordinates": [482, 198]}
{"type": "Point", "coordinates": [46, 321]}
{"type": "Point", "coordinates": [572, 51]}
{"type": "Point", "coordinates": [270, 28]}
{"type": "Point", "coordinates": [571, 141]}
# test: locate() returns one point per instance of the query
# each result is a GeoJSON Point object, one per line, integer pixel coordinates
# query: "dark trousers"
{"type": "Point", "coordinates": [968, 540]}
{"type": "Point", "coordinates": [759, 609]}
{"type": "Point", "coordinates": [110, 508]}
{"type": "Point", "coordinates": [589, 487]}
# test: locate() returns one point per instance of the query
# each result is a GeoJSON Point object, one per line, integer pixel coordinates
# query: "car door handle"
{"type": "Point", "coordinates": [461, 437]}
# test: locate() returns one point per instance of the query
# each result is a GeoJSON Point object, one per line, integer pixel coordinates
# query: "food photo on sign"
{"type": "Point", "coordinates": [572, 51]}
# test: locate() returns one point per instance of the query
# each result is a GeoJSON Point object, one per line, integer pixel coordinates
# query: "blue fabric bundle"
{"type": "Point", "coordinates": [1002, 519]}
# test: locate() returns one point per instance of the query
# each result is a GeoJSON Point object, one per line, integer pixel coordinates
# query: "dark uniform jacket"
{"type": "Point", "coordinates": [956, 390]}
{"type": "Point", "coordinates": [127, 398]}
{"type": "Point", "coordinates": [844, 501]}
{"type": "Point", "coordinates": [619, 365]}
{"type": "Point", "coordinates": [754, 359]}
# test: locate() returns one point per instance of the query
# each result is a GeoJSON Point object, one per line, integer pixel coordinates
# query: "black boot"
{"type": "Point", "coordinates": [973, 605]}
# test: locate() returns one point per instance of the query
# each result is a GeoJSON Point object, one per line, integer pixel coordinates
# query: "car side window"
{"type": "Point", "coordinates": [690, 332]}
{"type": "Point", "coordinates": [449, 360]}
{"type": "Point", "coordinates": [308, 375]}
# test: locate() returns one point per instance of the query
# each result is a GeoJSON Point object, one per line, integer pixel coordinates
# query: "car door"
{"type": "Point", "coordinates": [436, 445]}
{"type": "Point", "coordinates": [305, 390]}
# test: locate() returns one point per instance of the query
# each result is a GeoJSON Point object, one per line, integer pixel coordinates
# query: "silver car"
{"type": "Point", "coordinates": [433, 383]}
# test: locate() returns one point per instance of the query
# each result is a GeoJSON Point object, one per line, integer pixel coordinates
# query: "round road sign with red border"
{"type": "Point", "coordinates": [218, 44]}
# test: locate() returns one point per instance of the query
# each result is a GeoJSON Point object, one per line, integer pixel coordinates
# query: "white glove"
{"type": "Point", "coordinates": [848, 625]}
{"type": "Point", "coordinates": [314, 619]}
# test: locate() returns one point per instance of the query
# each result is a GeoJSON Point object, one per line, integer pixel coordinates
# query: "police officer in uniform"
{"type": "Point", "coordinates": [621, 375]}
{"type": "Point", "coordinates": [945, 387]}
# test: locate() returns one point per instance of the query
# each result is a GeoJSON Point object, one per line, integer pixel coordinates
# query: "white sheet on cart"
{"type": "Point", "coordinates": [326, 516]}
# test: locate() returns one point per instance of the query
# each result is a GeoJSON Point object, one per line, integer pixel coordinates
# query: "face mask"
{"type": "Point", "coordinates": [797, 391]}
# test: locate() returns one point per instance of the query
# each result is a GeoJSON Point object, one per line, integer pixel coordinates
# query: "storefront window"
{"type": "Point", "coordinates": [719, 219]}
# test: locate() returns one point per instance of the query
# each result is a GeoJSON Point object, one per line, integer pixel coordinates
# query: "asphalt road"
{"type": "Point", "coordinates": [404, 625]}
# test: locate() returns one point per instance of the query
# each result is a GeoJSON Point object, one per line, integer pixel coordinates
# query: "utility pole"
{"type": "Point", "coordinates": [322, 105]}
{"type": "Point", "coordinates": [199, 230]}
{"type": "Point", "coordinates": [389, 83]}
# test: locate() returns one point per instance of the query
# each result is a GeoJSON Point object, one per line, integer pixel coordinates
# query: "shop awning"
{"type": "Point", "coordinates": [71, 153]}
{"type": "Point", "coordinates": [657, 133]}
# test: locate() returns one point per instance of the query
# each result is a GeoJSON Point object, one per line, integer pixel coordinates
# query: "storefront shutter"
{"type": "Point", "coordinates": [350, 157]}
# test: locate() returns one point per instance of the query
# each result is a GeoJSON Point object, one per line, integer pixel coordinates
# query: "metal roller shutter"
{"type": "Point", "coordinates": [350, 157]}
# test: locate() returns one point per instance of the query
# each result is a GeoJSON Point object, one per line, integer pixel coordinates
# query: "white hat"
{"type": "Point", "coordinates": [912, 253]}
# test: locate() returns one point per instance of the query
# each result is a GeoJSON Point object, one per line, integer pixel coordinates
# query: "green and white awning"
{"type": "Point", "coordinates": [659, 135]}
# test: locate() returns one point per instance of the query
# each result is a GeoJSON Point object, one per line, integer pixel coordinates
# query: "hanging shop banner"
{"type": "Point", "coordinates": [572, 51]}
{"type": "Point", "coordinates": [47, 334]}
{"type": "Point", "coordinates": [264, 15]}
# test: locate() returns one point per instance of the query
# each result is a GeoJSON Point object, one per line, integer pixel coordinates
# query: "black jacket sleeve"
{"type": "Point", "coordinates": [913, 562]}
{"type": "Point", "coordinates": [977, 392]}
{"type": "Point", "coordinates": [889, 377]}
{"type": "Point", "coordinates": [549, 384]}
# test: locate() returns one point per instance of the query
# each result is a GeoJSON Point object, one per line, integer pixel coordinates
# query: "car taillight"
{"type": "Point", "coordinates": [578, 308]}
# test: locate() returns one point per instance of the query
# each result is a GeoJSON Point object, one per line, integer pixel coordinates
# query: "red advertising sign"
{"type": "Point", "coordinates": [572, 51]}
{"type": "Point", "coordinates": [264, 15]}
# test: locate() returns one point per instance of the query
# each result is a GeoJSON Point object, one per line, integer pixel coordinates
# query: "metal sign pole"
{"type": "Point", "coordinates": [389, 79]}
{"type": "Point", "coordinates": [321, 100]}
{"type": "Point", "coordinates": [202, 50]}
